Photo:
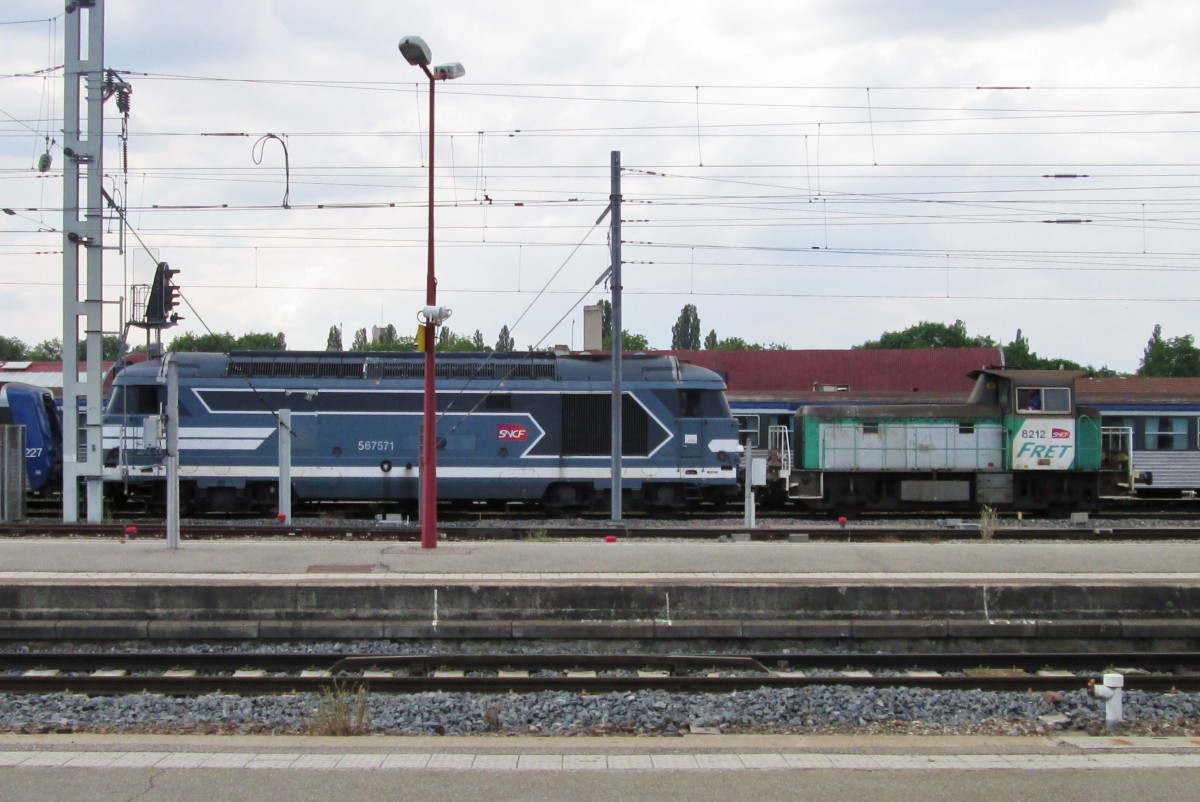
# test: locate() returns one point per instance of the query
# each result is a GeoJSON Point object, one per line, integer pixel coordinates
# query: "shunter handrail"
{"type": "Point", "coordinates": [779, 439]}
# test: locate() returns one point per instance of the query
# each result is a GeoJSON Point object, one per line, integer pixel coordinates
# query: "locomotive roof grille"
{"type": "Point", "coordinates": [374, 366]}
{"type": "Point", "coordinates": [459, 370]}
{"type": "Point", "coordinates": [385, 366]}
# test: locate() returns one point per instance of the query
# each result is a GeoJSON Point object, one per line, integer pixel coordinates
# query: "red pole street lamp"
{"type": "Point", "coordinates": [417, 53]}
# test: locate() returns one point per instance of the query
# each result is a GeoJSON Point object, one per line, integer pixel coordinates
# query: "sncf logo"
{"type": "Point", "coordinates": [511, 431]}
{"type": "Point", "coordinates": [1060, 434]}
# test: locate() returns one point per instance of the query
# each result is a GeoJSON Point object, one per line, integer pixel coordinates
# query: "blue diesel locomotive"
{"type": "Point", "coordinates": [35, 409]}
{"type": "Point", "coordinates": [511, 427]}
{"type": "Point", "coordinates": [1018, 442]}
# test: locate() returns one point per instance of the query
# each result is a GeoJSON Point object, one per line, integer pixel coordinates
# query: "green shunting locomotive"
{"type": "Point", "coordinates": [1019, 442]}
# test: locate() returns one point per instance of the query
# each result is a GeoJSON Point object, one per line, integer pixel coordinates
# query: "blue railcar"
{"type": "Point", "coordinates": [35, 409]}
{"type": "Point", "coordinates": [511, 427]}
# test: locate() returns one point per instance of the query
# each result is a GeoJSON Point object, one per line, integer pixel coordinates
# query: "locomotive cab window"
{"type": "Point", "coordinates": [136, 400]}
{"type": "Point", "coordinates": [1044, 399]}
{"type": "Point", "coordinates": [701, 403]}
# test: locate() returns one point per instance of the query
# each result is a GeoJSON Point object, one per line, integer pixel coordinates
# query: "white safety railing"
{"type": "Point", "coordinates": [779, 440]}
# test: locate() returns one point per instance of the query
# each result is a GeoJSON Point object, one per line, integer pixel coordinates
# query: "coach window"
{"type": "Point", "coordinates": [748, 428]}
{"type": "Point", "coordinates": [1166, 434]}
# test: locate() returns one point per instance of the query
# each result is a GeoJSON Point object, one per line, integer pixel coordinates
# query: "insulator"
{"type": "Point", "coordinates": [44, 162]}
{"type": "Point", "coordinates": [124, 94]}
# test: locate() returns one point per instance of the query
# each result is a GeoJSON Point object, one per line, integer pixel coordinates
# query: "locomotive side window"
{"type": "Point", "coordinates": [1166, 434]}
{"type": "Point", "coordinates": [1044, 399]}
{"type": "Point", "coordinates": [499, 401]}
{"type": "Point", "coordinates": [870, 427]}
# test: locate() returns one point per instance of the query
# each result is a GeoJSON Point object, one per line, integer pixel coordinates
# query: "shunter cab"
{"type": "Point", "coordinates": [1018, 442]}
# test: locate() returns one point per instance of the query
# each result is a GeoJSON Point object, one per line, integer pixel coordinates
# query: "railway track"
{"type": "Point", "coordinates": [186, 674]}
{"type": "Point", "coordinates": [853, 532]}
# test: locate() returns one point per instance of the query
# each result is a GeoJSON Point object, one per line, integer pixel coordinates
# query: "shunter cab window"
{"type": "Point", "coordinates": [1044, 399]}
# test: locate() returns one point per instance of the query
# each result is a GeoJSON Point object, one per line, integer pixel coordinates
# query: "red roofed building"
{"type": "Point", "coordinates": [1138, 390]}
{"type": "Point", "coordinates": [917, 374]}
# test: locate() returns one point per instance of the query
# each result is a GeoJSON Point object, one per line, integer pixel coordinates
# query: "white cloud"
{"type": "Point", "coordinates": [824, 214]}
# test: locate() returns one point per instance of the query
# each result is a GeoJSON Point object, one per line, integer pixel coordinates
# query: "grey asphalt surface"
{"type": "Point", "coordinates": [849, 785]}
{"type": "Point", "coordinates": [1178, 561]}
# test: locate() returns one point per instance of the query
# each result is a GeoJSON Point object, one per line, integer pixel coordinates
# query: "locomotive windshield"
{"type": "Point", "coordinates": [135, 400]}
{"type": "Point", "coordinates": [695, 403]}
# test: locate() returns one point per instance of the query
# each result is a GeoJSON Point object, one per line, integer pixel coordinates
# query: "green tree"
{"type": "Point", "coordinates": [630, 342]}
{"type": "Point", "coordinates": [360, 340]}
{"type": "Point", "coordinates": [256, 341]}
{"type": "Point", "coordinates": [1019, 356]}
{"type": "Point", "coordinates": [50, 351]}
{"type": "Point", "coordinates": [206, 343]}
{"type": "Point", "coordinates": [736, 344]}
{"type": "Point", "coordinates": [477, 342]}
{"type": "Point", "coordinates": [930, 335]}
{"type": "Point", "coordinates": [449, 341]}
{"type": "Point", "coordinates": [1177, 356]}
{"type": "Point", "coordinates": [12, 348]}
{"type": "Point", "coordinates": [606, 322]}
{"type": "Point", "coordinates": [334, 341]}
{"type": "Point", "coordinates": [710, 342]}
{"type": "Point", "coordinates": [685, 334]}
{"type": "Point", "coordinates": [110, 347]}
{"type": "Point", "coordinates": [505, 343]}
{"type": "Point", "coordinates": [387, 338]}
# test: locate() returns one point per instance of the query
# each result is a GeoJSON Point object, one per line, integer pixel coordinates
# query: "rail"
{"type": "Point", "coordinates": [246, 673]}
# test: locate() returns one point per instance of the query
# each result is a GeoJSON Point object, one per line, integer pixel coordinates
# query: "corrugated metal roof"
{"type": "Point", "coordinates": [918, 370]}
{"type": "Point", "coordinates": [41, 374]}
{"type": "Point", "coordinates": [1135, 389]}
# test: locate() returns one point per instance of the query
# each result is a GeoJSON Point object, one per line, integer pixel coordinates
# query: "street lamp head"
{"type": "Point", "coordinates": [448, 72]}
{"type": "Point", "coordinates": [415, 51]}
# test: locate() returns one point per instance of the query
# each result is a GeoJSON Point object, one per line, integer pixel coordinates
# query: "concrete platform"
{"type": "Point", "coordinates": [851, 769]}
{"type": "Point", "coordinates": [284, 589]}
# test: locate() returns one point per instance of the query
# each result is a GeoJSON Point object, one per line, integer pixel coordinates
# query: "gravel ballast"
{"type": "Point", "coordinates": [804, 710]}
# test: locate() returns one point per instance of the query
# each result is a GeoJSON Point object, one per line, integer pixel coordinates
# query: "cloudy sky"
{"type": "Point", "coordinates": [811, 173]}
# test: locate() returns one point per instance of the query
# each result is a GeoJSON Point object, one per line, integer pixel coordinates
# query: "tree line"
{"type": "Point", "coordinates": [1162, 356]}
